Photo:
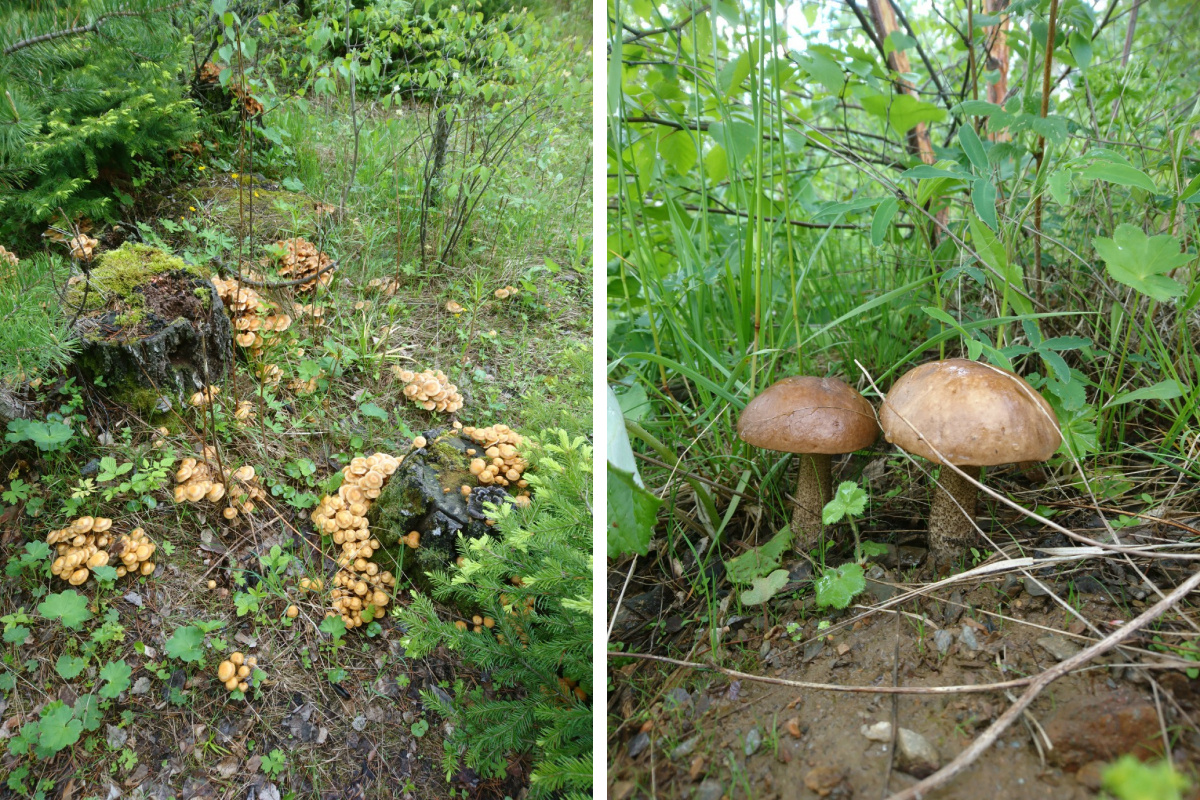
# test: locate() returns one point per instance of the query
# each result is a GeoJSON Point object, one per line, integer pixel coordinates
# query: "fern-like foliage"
{"type": "Point", "coordinates": [537, 654]}
{"type": "Point", "coordinates": [90, 96]}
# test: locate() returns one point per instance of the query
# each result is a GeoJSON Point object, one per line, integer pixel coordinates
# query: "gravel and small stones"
{"type": "Point", "coordinates": [952, 609]}
{"type": "Point", "coordinates": [878, 580]}
{"type": "Point", "coordinates": [1059, 647]}
{"type": "Point", "coordinates": [967, 638]}
{"type": "Point", "coordinates": [709, 790]}
{"type": "Point", "coordinates": [638, 744]}
{"type": "Point", "coordinates": [917, 756]}
{"type": "Point", "coordinates": [753, 742]}
{"type": "Point", "coordinates": [686, 747]}
{"type": "Point", "coordinates": [1035, 588]}
{"type": "Point", "coordinates": [1102, 727]}
{"type": "Point", "coordinates": [825, 780]}
{"type": "Point", "coordinates": [942, 639]}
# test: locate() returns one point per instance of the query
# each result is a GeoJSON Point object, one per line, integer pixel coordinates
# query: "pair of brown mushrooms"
{"type": "Point", "coordinates": [956, 412]}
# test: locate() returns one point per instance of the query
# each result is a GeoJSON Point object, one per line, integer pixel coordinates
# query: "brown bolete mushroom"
{"type": "Point", "coordinates": [815, 418]}
{"type": "Point", "coordinates": [974, 415]}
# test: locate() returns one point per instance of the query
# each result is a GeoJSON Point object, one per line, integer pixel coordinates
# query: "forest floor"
{"type": "Point", "coordinates": [331, 719]}
{"type": "Point", "coordinates": [685, 731]}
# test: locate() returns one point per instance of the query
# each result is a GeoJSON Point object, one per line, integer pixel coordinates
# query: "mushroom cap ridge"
{"type": "Point", "coordinates": [804, 414]}
{"type": "Point", "coordinates": [974, 414]}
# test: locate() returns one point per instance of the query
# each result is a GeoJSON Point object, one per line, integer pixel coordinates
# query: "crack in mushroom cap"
{"type": "Point", "coordinates": [803, 414]}
{"type": "Point", "coordinates": [974, 414]}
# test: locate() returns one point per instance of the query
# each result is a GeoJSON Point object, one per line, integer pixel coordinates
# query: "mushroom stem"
{"type": "Point", "coordinates": [950, 530]}
{"type": "Point", "coordinates": [812, 493]}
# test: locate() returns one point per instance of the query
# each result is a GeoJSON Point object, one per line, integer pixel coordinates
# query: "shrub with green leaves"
{"type": "Point", "coordinates": [532, 656]}
{"type": "Point", "coordinates": [93, 97]}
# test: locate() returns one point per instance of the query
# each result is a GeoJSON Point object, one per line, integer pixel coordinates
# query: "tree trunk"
{"type": "Point", "coordinates": [885, 22]}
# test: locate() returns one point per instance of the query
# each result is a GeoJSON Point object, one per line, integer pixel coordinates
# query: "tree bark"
{"type": "Point", "coordinates": [885, 22]}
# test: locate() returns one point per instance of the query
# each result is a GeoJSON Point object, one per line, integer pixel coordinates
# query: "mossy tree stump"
{"type": "Point", "coordinates": [416, 499]}
{"type": "Point", "coordinates": [151, 326]}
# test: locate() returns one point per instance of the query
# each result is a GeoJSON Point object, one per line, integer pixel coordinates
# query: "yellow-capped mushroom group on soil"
{"type": "Point", "coordinates": [255, 319]}
{"type": "Point", "coordinates": [199, 480]}
{"type": "Point", "coordinates": [88, 543]}
{"type": "Point", "coordinates": [431, 390]}
{"type": "Point", "coordinates": [361, 589]}
{"type": "Point", "coordinates": [236, 671]}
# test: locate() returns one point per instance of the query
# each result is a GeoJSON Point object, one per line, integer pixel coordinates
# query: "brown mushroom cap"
{"type": "Point", "coordinates": [803, 414]}
{"type": "Point", "coordinates": [973, 414]}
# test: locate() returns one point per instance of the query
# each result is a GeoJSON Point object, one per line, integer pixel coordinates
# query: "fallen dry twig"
{"type": "Point", "coordinates": [1040, 682]}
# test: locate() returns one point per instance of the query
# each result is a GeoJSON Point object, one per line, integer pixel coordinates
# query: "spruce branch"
{"type": "Point", "coordinates": [78, 30]}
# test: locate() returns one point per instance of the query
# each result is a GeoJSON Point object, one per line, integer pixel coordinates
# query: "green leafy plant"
{"type": "Point", "coordinates": [529, 654]}
{"type": "Point", "coordinates": [48, 436]}
{"type": "Point", "coordinates": [1130, 779]}
{"type": "Point", "coordinates": [69, 607]}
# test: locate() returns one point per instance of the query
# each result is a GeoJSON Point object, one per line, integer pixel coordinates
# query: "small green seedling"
{"type": "Point", "coordinates": [837, 587]}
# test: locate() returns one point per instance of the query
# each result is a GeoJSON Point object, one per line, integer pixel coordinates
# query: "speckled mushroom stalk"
{"type": "Point", "coordinates": [814, 418]}
{"type": "Point", "coordinates": [812, 493]}
{"type": "Point", "coordinates": [950, 530]}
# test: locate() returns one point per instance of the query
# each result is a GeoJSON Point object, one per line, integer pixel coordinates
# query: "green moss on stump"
{"type": "Point", "coordinates": [118, 272]}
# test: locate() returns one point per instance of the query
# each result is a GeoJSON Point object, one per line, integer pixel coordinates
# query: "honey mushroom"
{"type": "Point", "coordinates": [387, 286]}
{"type": "Point", "coordinates": [359, 584]}
{"type": "Point", "coordinates": [87, 544]}
{"type": "Point", "coordinates": [236, 671]}
{"type": "Point", "coordinates": [256, 321]}
{"type": "Point", "coordinates": [204, 397]}
{"type": "Point", "coordinates": [199, 479]}
{"type": "Point", "coordinates": [453, 307]}
{"type": "Point", "coordinates": [301, 259]}
{"type": "Point", "coordinates": [502, 465]}
{"type": "Point", "coordinates": [431, 390]}
{"type": "Point", "coordinates": [505, 292]}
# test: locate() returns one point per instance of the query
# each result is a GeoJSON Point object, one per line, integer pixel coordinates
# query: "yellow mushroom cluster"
{"type": "Point", "coordinates": [303, 387]}
{"type": "Point", "coordinates": [254, 318]}
{"type": "Point", "coordinates": [235, 672]}
{"type": "Point", "coordinates": [431, 390]}
{"type": "Point", "coordinates": [270, 374]}
{"type": "Point", "coordinates": [197, 480]}
{"type": "Point", "coordinates": [87, 543]}
{"type": "Point", "coordinates": [301, 259]}
{"type": "Point", "coordinates": [505, 292]}
{"type": "Point", "coordinates": [314, 312]}
{"type": "Point", "coordinates": [82, 246]}
{"type": "Point", "coordinates": [205, 396]}
{"type": "Point", "coordinates": [8, 263]}
{"type": "Point", "coordinates": [244, 411]}
{"type": "Point", "coordinates": [360, 585]}
{"type": "Point", "coordinates": [386, 286]}
{"type": "Point", "coordinates": [500, 463]}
